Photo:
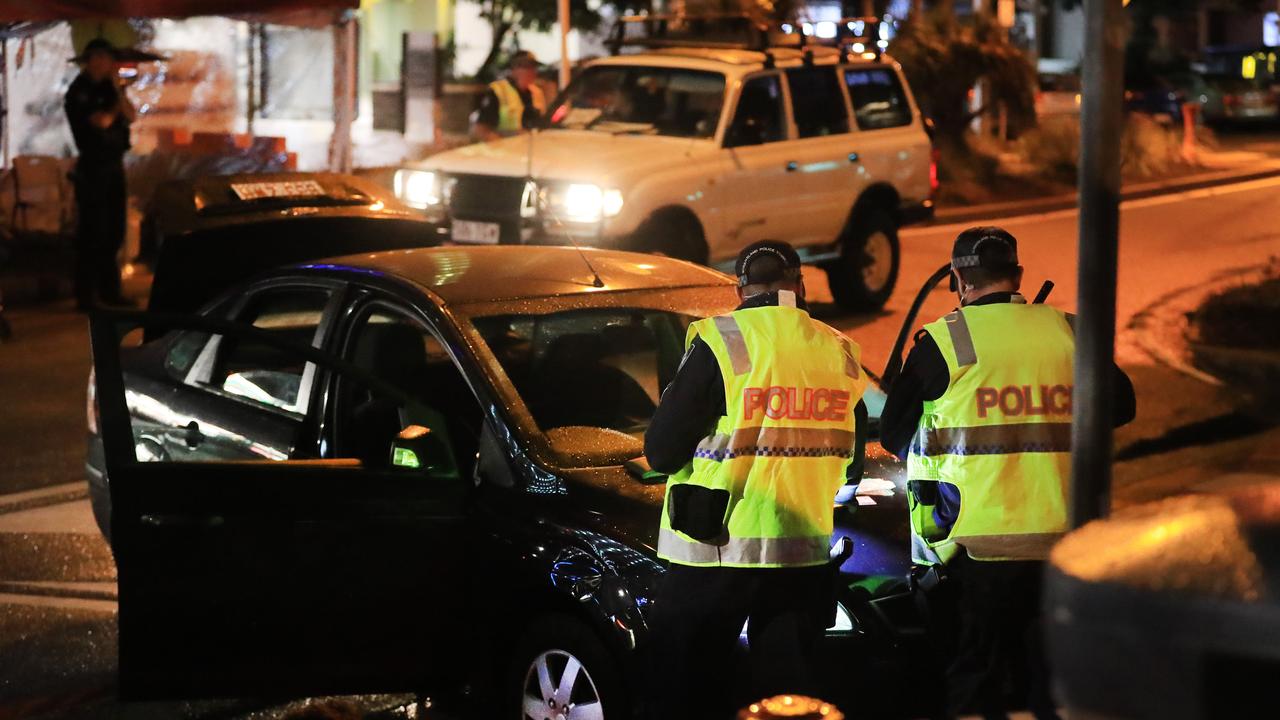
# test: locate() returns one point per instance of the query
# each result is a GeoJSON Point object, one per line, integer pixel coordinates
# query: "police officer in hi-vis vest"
{"type": "Point", "coordinates": [758, 431]}
{"type": "Point", "coordinates": [512, 104]}
{"type": "Point", "coordinates": [982, 414]}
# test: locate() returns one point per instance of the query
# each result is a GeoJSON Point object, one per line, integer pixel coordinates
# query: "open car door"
{"type": "Point", "coordinates": [278, 578]}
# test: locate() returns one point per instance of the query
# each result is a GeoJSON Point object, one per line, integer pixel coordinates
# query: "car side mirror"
{"type": "Point", "coordinates": [411, 448]}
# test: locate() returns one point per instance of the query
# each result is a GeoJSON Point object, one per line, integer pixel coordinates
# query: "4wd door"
{"type": "Point", "coordinates": [825, 152]}
{"type": "Point", "coordinates": [225, 587]}
{"type": "Point", "coordinates": [891, 145]}
{"type": "Point", "coordinates": [761, 191]}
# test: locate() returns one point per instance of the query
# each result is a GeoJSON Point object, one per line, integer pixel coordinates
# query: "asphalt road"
{"type": "Point", "coordinates": [57, 636]}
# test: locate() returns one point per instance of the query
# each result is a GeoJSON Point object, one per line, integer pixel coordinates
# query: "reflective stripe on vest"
{"type": "Point", "coordinates": [781, 450]}
{"type": "Point", "coordinates": [511, 105]}
{"type": "Point", "coordinates": [1001, 433]}
{"type": "Point", "coordinates": [745, 551]}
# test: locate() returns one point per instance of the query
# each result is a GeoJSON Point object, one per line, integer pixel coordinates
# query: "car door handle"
{"type": "Point", "coordinates": [853, 157]}
{"type": "Point", "coordinates": [792, 166]}
{"type": "Point", "coordinates": [193, 437]}
{"type": "Point", "coordinates": [182, 521]}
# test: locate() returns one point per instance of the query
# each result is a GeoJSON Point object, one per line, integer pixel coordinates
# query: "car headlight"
{"type": "Point", "coordinates": [418, 188]}
{"type": "Point", "coordinates": [582, 202]}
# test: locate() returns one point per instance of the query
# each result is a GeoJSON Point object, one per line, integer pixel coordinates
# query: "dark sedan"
{"type": "Point", "coordinates": [420, 471]}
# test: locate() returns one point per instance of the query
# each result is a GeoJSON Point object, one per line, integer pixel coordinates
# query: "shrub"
{"type": "Point", "coordinates": [1147, 149]}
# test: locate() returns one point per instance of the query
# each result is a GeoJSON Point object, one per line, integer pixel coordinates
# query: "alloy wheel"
{"type": "Point", "coordinates": [557, 686]}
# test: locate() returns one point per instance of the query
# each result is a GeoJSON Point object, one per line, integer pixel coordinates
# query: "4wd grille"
{"type": "Point", "coordinates": [489, 198]}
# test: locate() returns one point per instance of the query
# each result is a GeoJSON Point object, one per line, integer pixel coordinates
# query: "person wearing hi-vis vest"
{"type": "Point", "coordinates": [982, 414]}
{"type": "Point", "coordinates": [513, 104]}
{"type": "Point", "coordinates": [758, 430]}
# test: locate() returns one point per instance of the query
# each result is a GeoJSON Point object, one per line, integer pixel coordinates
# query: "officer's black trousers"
{"type": "Point", "coordinates": [100, 205]}
{"type": "Point", "coordinates": [999, 638]}
{"type": "Point", "coordinates": [698, 619]}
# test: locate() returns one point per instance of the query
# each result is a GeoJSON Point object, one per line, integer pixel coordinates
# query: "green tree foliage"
{"type": "Point", "coordinates": [506, 16]}
{"type": "Point", "coordinates": [944, 57]}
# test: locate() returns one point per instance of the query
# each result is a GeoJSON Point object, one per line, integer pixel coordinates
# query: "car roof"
{"type": "Point", "coordinates": [461, 274]}
{"type": "Point", "coordinates": [734, 61]}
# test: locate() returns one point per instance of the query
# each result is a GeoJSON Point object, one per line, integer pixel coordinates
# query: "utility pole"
{"type": "Point", "coordinates": [1100, 128]}
{"type": "Point", "coordinates": [562, 16]}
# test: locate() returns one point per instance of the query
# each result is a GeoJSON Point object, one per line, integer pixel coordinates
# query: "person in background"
{"type": "Point", "coordinates": [99, 114]}
{"type": "Point", "coordinates": [513, 104]}
{"type": "Point", "coordinates": [982, 414]}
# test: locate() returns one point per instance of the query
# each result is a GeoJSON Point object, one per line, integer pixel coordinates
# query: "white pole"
{"type": "Point", "coordinates": [562, 15]}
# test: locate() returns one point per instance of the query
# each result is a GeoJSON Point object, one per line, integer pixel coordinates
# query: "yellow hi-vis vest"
{"type": "Point", "coordinates": [1001, 433]}
{"type": "Point", "coordinates": [781, 451]}
{"type": "Point", "coordinates": [511, 107]}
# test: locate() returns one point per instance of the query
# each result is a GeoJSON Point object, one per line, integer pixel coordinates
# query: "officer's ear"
{"type": "Point", "coordinates": [1017, 279]}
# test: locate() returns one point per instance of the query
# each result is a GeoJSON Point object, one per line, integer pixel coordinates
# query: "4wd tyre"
{"type": "Point", "coordinates": [672, 234]}
{"type": "Point", "coordinates": [561, 671]}
{"type": "Point", "coordinates": [864, 276]}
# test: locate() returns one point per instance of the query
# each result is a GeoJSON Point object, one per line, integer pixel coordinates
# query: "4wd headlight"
{"type": "Point", "coordinates": [418, 188]}
{"type": "Point", "coordinates": [581, 202]}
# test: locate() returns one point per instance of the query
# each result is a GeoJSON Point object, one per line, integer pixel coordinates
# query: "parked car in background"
{"type": "Point", "coordinates": [204, 235]}
{"type": "Point", "coordinates": [421, 471]}
{"type": "Point", "coordinates": [695, 152]}
{"type": "Point", "coordinates": [1229, 100]}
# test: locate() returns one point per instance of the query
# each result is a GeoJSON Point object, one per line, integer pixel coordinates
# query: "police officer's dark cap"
{"type": "Point", "coordinates": [523, 58]}
{"type": "Point", "coordinates": [97, 45]}
{"type": "Point", "coordinates": [990, 247]}
{"type": "Point", "coordinates": [767, 261]}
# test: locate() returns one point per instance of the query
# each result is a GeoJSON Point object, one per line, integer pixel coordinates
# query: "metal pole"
{"type": "Point", "coordinates": [1101, 124]}
{"type": "Point", "coordinates": [562, 17]}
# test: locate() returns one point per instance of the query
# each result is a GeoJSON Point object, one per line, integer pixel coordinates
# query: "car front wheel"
{"type": "Point", "coordinates": [864, 276]}
{"type": "Point", "coordinates": [563, 672]}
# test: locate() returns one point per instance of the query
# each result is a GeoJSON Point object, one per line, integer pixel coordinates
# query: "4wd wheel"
{"type": "Point", "coordinates": [864, 276]}
{"type": "Point", "coordinates": [563, 672]}
{"type": "Point", "coordinates": [672, 234]}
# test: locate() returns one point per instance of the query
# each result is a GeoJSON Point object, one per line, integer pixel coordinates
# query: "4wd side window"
{"type": "Point", "coordinates": [816, 102]}
{"type": "Point", "coordinates": [758, 118]}
{"type": "Point", "coordinates": [878, 99]}
{"type": "Point", "coordinates": [264, 373]}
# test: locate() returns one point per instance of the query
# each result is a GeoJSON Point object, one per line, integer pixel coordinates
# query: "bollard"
{"type": "Point", "coordinates": [1189, 131]}
{"type": "Point", "coordinates": [792, 707]}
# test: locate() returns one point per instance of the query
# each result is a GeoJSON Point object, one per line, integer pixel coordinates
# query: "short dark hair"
{"type": "Point", "coordinates": [990, 255]}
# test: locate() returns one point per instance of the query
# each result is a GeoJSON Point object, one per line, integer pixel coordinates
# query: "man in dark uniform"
{"type": "Point", "coordinates": [513, 104]}
{"type": "Point", "coordinates": [996, 615]}
{"type": "Point", "coordinates": [99, 115]}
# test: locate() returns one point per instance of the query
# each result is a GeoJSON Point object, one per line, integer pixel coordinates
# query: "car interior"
{"type": "Point", "coordinates": [405, 355]}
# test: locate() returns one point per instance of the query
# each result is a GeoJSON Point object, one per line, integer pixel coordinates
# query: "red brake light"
{"type": "Point", "coordinates": [933, 171]}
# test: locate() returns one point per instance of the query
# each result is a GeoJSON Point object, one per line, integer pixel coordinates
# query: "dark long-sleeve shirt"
{"type": "Point", "coordinates": [96, 145]}
{"type": "Point", "coordinates": [695, 400]}
{"type": "Point", "coordinates": [925, 377]}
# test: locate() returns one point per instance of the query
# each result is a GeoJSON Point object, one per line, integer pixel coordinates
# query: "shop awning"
{"type": "Point", "coordinates": [286, 12]}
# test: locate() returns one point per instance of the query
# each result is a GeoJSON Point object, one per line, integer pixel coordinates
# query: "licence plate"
{"type": "Point", "coordinates": [470, 231]}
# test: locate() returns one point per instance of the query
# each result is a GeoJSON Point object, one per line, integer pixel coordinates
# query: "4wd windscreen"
{"type": "Point", "coordinates": [642, 100]}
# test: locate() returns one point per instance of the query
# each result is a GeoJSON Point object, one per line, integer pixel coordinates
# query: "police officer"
{"type": "Point", "coordinates": [757, 432]}
{"type": "Point", "coordinates": [982, 414]}
{"type": "Point", "coordinates": [99, 114]}
{"type": "Point", "coordinates": [513, 104]}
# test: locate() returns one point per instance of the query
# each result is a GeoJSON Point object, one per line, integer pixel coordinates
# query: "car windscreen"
{"type": "Point", "coordinates": [592, 378]}
{"type": "Point", "coordinates": [631, 99]}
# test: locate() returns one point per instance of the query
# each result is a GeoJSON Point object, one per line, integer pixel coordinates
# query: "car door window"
{"type": "Point", "coordinates": [878, 99]}
{"type": "Point", "coordinates": [817, 102]}
{"type": "Point", "coordinates": [436, 411]}
{"type": "Point", "coordinates": [262, 373]}
{"type": "Point", "coordinates": [759, 117]}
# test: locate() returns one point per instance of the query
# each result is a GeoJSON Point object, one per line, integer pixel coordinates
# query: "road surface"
{"type": "Point", "coordinates": [57, 636]}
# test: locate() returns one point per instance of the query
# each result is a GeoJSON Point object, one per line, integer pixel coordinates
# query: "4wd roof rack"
{"type": "Point", "coordinates": [742, 31]}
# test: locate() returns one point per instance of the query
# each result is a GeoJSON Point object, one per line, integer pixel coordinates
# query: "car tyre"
{"type": "Point", "coordinates": [559, 661]}
{"type": "Point", "coordinates": [673, 235]}
{"type": "Point", "coordinates": [864, 276]}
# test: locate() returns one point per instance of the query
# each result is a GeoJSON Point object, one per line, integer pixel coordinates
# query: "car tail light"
{"type": "Point", "coordinates": [91, 403]}
{"type": "Point", "coordinates": [934, 154]}
{"type": "Point", "coordinates": [1230, 100]}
